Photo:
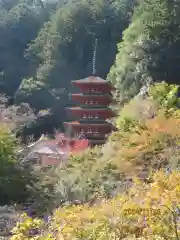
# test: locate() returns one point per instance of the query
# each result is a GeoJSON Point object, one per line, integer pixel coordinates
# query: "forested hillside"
{"type": "Point", "coordinates": [45, 45]}
{"type": "Point", "coordinates": [128, 188]}
{"type": "Point", "coordinates": [150, 48]}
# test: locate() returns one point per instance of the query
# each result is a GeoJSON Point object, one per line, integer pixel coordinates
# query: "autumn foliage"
{"type": "Point", "coordinates": [146, 153]}
{"type": "Point", "coordinates": [149, 211]}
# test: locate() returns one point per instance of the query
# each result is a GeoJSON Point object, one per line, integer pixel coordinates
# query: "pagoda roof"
{"type": "Point", "coordinates": [91, 79]}
{"type": "Point", "coordinates": [91, 141]}
{"type": "Point", "coordinates": [103, 99]}
{"type": "Point", "coordinates": [97, 141]}
{"type": "Point", "coordinates": [90, 109]}
{"type": "Point", "coordinates": [76, 123]}
{"type": "Point", "coordinates": [91, 95]}
{"type": "Point", "coordinates": [94, 80]}
{"type": "Point", "coordinates": [90, 124]}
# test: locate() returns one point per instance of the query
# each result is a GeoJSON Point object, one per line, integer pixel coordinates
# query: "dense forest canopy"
{"type": "Point", "coordinates": [46, 44]}
{"type": "Point", "coordinates": [150, 47]}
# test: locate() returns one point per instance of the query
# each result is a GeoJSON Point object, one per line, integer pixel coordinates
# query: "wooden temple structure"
{"type": "Point", "coordinates": [92, 112]}
{"type": "Point", "coordinates": [91, 127]}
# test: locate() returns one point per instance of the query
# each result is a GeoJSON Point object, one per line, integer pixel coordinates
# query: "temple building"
{"type": "Point", "coordinates": [92, 112]}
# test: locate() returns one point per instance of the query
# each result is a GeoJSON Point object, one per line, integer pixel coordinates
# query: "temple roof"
{"type": "Point", "coordinates": [97, 141]}
{"type": "Point", "coordinates": [46, 150]}
{"type": "Point", "coordinates": [91, 95]}
{"type": "Point", "coordinates": [90, 109]}
{"type": "Point", "coordinates": [91, 79]}
{"type": "Point", "coordinates": [76, 123]}
{"type": "Point", "coordinates": [94, 80]}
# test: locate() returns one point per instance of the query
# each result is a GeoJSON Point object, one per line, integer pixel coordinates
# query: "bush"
{"type": "Point", "coordinates": [85, 177]}
{"type": "Point", "coordinates": [165, 95]}
{"type": "Point", "coordinates": [8, 219]}
{"type": "Point", "coordinates": [163, 98]}
{"type": "Point", "coordinates": [142, 145]}
{"type": "Point", "coordinates": [147, 211]}
{"type": "Point", "coordinates": [13, 180]}
{"type": "Point", "coordinates": [147, 147]}
{"type": "Point", "coordinates": [135, 113]}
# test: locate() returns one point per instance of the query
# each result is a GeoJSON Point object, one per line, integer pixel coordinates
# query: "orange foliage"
{"type": "Point", "coordinates": [161, 124]}
{"type": "Point", "coordinates": [148, 146]}
{"type": "Point", "coordinates": [80, 145]}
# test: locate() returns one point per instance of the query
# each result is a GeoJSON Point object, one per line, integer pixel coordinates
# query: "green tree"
{"type": "Point", "coordinates": [13, 181]}
{"type": "Point", "coordinates": [150, 47]}
{"type": "Point", "coordinates": [20, 23]}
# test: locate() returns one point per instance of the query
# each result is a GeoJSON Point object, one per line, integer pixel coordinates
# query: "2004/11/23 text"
{"type": "Point", "coordinates": [146, 211]}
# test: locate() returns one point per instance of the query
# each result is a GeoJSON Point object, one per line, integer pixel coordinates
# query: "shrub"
{"type": "Point", "coordinates": [163, 98]}
{"type": "Point", "coordinates": [147, 211]}
{"type": "Point", "coordinates": [13, 180]}
{"type": "Point", "coordinates": [165, 95]}
{"type": "Point", "coordinates": [135, 113]}
{"type": "Point", "coordinates": [86, 176]}
{"type": "Point", "coordinates": [145, 145]}
{"type": "Point", "coordinates": [8, 219]}
{"type": "Point", "coordinates": [148, 147]}
{"type": "Point", "coordinates": [149, 131]}
{"type": "Point", "coordinates": [148, 142]}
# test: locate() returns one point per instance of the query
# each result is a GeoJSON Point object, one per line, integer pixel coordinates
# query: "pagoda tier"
{"type": "Point", "coordinates": [97, 142]}
{"type": "Point", "coordinates": [72, 141]}
{"type": "Point", "coordinates": [91, 100]}
{"type": "Point", "coordinates": [95, 97]}
{"type": "Point", "coordinates": [92, 113]}
{"type": "Point", "coordinates": [90, 130]}
{"type": "Point", "coordinates": [94, 85]}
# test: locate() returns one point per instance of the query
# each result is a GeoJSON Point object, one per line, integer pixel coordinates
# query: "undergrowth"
{"type": "Point", "coordinates": [127, 189]}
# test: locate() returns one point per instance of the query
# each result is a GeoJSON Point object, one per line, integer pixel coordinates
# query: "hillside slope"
{"type": "Point", "coordinates": [146, 146]}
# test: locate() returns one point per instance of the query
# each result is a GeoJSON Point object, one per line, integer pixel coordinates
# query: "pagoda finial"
{"type": "Point", "coordinates": [94, 56]}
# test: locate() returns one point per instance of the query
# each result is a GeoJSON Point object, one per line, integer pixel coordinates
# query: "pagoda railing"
{"type": "Point", "coordinates": [100, 92]}
{"type": "Point", "coordinates": [86, 120]}
{"type": "Point", "coordinates": [93, 135]}
{"type": "Point", "coordinates": [91, 106]}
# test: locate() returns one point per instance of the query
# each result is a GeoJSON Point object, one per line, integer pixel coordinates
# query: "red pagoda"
{"type": "Point", "coordinates": [93, 110]}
